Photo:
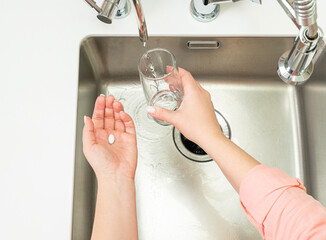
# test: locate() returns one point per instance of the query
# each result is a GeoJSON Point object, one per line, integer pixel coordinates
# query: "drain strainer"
{"type": "Point", "coordinates": [190, 149]}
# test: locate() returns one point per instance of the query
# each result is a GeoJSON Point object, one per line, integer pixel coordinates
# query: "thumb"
{"type": "Point", "coordinates": [162, 114]}
{"type": "Point", "coordinates": [88, 133]}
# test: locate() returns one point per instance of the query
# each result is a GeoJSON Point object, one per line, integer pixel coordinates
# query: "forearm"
{"type": "Point", "coordinates": [232, 160]}
{"type": "Point", "coordinates": [278, 206]}
{"type": "Point", "coordinates": [115, 214]}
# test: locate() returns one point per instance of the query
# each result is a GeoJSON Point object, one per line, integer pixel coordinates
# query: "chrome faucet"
{"type": "Point", "coordinates": [208, 10]}
{"type": "Point", "coordinates": [296, 65]}
{"type": "Point", "coordinates": [121, 9]}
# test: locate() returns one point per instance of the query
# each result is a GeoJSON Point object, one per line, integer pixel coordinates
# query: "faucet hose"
{"type": "Point", "coordinates": [306, 14]}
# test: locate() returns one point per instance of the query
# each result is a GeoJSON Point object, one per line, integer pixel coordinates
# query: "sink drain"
{"type": "Point", "coordinates": [190, 149]}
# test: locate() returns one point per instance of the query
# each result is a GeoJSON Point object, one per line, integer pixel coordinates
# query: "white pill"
{"type": "Point", "coordinates": [111, 139]}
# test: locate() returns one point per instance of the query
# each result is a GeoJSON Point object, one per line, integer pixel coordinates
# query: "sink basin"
{"type": "Point", "coordinates": [278, 124]}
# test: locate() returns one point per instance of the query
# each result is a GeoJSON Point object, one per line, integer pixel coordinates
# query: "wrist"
{"type": "Point", "coordinates": [114, 180]}
{"type": "Point", "coordinates": [213, 142]}
{"type": "Point", "coordinates": [213, 138]}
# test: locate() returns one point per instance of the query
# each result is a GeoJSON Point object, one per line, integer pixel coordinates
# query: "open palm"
{"type": "Point", "coordinates": [120, 157]}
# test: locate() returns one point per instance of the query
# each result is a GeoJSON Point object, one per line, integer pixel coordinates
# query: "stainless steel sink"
{"type": "Point", "coordinates": [278, 124]}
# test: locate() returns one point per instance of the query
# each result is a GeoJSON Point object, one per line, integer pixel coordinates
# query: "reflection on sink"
{"type": "Point", "coordinates": [278, 124]}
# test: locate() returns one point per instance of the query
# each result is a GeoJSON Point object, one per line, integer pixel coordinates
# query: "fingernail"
{"type": "Point", "coordinates": [150, 109]}
{"type": "Point", "coordinates": [102, 95]}
{"type": "Point", "coordinates": [84, 119]}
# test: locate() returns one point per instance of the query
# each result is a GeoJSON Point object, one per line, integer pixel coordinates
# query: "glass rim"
{"type": "Point", "coordinates": [174, 61]}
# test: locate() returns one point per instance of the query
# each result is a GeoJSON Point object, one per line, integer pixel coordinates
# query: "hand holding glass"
{"type": "Point", "coordinates": [160, 80]}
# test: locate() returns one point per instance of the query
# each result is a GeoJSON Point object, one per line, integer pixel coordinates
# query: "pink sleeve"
{"type": "Point", "coordinates": [278, 206]}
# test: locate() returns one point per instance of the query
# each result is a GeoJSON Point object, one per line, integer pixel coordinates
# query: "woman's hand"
{"type": "Point", "coordinates": [195, 118]}
{"type": "Point", "coordinates": [110, 160]}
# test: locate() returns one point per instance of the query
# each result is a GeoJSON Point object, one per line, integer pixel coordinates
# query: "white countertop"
{"type": "Point", "coordinates": [39, 50]}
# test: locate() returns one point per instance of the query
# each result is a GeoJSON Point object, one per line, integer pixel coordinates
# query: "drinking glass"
{"type": "Point", "coordinates": [160, 80]}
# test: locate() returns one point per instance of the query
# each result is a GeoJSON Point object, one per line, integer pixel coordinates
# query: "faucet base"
{"type": "Point", "coordinates": [123, 12]}
{"type": "Point", "coordinates": [204, 17]}
{"type": "Point", "coordinates": [288, 75]}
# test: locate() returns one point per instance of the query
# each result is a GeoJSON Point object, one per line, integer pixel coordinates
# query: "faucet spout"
{"type": "Point", "coordinates": [120, 9]}
{"type": "Point", "coordinates": [143, 35]}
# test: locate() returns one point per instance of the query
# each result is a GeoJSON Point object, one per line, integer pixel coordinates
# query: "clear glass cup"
{"type": "Point", "coordinates": [160, 80]}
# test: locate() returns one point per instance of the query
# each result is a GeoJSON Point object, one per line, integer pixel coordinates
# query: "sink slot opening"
{"type": "Point", "coordinates": [203, 44]}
